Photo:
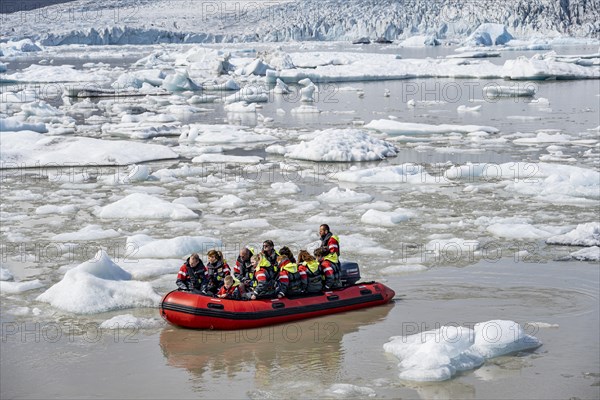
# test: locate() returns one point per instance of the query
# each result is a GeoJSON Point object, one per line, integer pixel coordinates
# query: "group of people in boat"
{"type": "Point", "coordinates": [267, 273]}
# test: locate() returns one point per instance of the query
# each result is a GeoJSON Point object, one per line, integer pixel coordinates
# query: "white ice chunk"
{"type": "Point", "coordinates": [7, 287]}
{"type": "Point", "coordinates": [587, 234]}
{"type": "Point", "coordinates": [99, 285]}
{"type": "Point", "coordinates": [32, 148]}
{"type": "Point", "coordinates": [439, 354]}
{"type": "Point", "coordinates": [383, 218]}
{"type": "Point", "coordinates": [342, 145]}
{"type": "Point", "coordinates": [90, 232]}
{"type": "Point", "coordinates": [347, 390]}
{"type": "Point", "coordinates": [283, 188]}
{"type": "Point", "coordinates": [5, 275]}
{"type": "Point", "coordinates": [408, 128]}
{"type": "Point", "coordinates": [587, 254]}
{"type": "Point", "coordinates": [145, 206]}
{"type": "Point", "coordinates": [336, 195]}
{"type": "Point", "coordinates": [128, 321]}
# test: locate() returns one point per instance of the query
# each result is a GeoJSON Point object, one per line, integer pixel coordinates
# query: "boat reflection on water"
{"type": "Point", "coordinates": [307, 353]}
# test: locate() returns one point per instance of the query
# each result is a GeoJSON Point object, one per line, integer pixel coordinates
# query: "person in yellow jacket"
{"type": "Point", "coordinates": [314, 275]}
{"type": "Point", "coordinates": [331, 243]}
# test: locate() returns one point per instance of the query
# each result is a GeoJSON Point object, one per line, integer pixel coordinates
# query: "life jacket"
{"type": "Point", "coordinates": [333, 257]}
{"type": "Point", "coordinates": [242, 266]}
{"type": "Point", "coordinates": [266, 287]}
{"type": "Point", "coordinates": [235, 290]}
{"type": "Point", "coordinates": [315, 281]}
{"type": "Point", "coordinates": [272, 260]}
{"type": "Point", "coordinates": [332, 280]}
{"type": "Point", "coordinates": [294, 276]}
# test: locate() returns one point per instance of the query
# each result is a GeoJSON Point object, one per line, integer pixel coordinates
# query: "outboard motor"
{"type": "Point", "coordinates": [349, 273]}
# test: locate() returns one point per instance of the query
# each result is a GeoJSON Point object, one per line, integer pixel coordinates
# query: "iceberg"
{"type": "Point", "coordinates": [99, 285]}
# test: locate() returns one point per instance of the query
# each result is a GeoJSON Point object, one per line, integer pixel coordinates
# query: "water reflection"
{"type": "Point", "coordinates": [229, 363]}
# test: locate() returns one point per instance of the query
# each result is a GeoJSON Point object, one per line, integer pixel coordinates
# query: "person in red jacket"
{"type": "Point", "coordinates": [330, 271]}
{"type": "Point", "coordinates": [232, 289]}
{"type": "Point", "coordinates": [292, 281]}
{"type": "Point", "coordinates": [192, 274]}
{"type": "Point", "coordinates": [330, 242]}
{"type": "Point", "coordinates": [265, 278]}
{"type": "Point", "coordinates": [216, 270]}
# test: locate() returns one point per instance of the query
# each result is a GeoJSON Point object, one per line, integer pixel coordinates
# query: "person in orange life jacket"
{"type": "Point", "coordinates": [216, 270]}
{"type": "Point", "coordinates": [265, 278]}
{"type": "Point", "coordinates": [310, 265]}
{"type": "Point", "coordinates": [232, 289]}
{"type": "Point", "coordinates": [243, 265]}
{"type": "Point", "coordinates": [330, 271]}
{"type": "Point", "coordinates": [330, 242]}
{"type": "Point", "coordinates": [192, 274]}
{"type": "Point", "coordinates": [270, 253]}
{"type": "Point", "coordinates": [292, 281]}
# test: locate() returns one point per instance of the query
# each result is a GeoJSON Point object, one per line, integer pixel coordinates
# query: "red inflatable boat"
{"type": "Point", "coordinates": [202, 312]}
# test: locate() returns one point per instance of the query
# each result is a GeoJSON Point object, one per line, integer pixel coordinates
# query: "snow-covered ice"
{"type": "Point", "coordinates": [145, 206]}
{"type": "Point", "coordinates": [439, 354]}
{"type": "Point", "coordinates": [341, 145]}
{"type": "Point", "coordinates": [99, 285]}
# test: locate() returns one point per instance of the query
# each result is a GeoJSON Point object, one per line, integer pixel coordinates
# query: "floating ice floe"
{"type": "Point", "coordinates": [463, 108]}
{"type": "Point", "coordinates": [341, 145]}
{"type": "Point", "coordinates": [439, 354]}
{"type": "Point", "coordinates": [251, 223]}
{"type": "Point", "coordinates": [145, 206]}
{"type": "Point", "coordinates": [53, 74]}
{"type": "Point", "coordinates": [229, 134]}
{"type": "Point", "coordinates": [564, 184]}
{"type": "Point", "coordinates": [256, 67]}
{"type": "Point", "coordinates": [222, 158]}
{"type": "Point", "coordinates": [5, 275]}
{"type": "Point", "coordinates": [10, 287]}
{"type": "Point", "coordinates": [99, 285]}
{"type": "Point", "coordinates": [587, 254]}
{"type": "Point", "coordinates": [90, 232]}
{"type": "Point", "coordinates": [129, 321]}
{"type": "Point", "coordinates": [412, 128]}
{"type": "Point", "coordinates": [136, 79]}
{"type": "Point", "coordinates": [283, 188]}
{"type": "Point", "coordinates": [281, 88]}
{"type": "Point", "coordinates": [510, 91]}
{"type": "Point", "coordinates": [347, 390]}
{"type": "Point", "coordinates": [12, 124]}
{"type": "Point", "coordinates": [240, 107]}
{"type": "Point", "coordinates": [18, 47]}
{"type": "Point", "coordinates": [228, 201]}
{"type": "Point", "coordinates": [384, 218]}
{"type": "Point", "coordinates": [249, 94]}
{"type": "Point", "coordinates": [522, 230]}
{"type": "Point", "coordinates": [587, 234]}
{"type": "Point", "coordinates": [148, 247]}
{"type": "Point", "coordinates": [538, 68]}
{"type": "Point", "coordinates": [336, 195]}
{"type": "Point", "coordinates": [34, 149]}
{"type": "Point", "coordinates": [404, 173]}
{"type": "Point", "coordinates": [179, 81]}
{"type": "Point", "coordinates": [305, 109]}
